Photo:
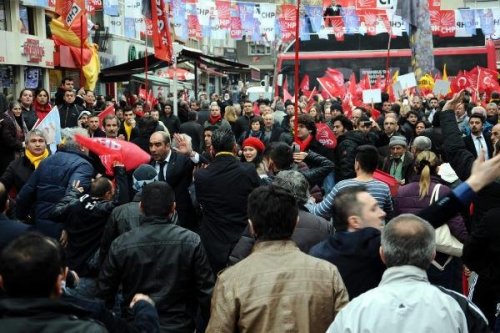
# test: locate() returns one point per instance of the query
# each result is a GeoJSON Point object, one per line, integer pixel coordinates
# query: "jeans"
{"type": "Point", "coordinates": [86, 288]}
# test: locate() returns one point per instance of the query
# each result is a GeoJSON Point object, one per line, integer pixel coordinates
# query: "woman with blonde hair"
{"type": "Point", "coordinates": [424, 188]}
{"type": "Point", "coordinates": [230, 116]}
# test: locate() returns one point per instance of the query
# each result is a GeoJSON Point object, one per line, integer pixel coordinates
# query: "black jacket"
{"type": "Point", "coordinates": [310, 230]}
{"type": "Point", "coordinates": [345, 154]}
{"type": "Point", "coordinates": [10, 230]}
{"type": "Point", "coordinates": [318, 167]}
{"type": "Point", "coordinates": [242, 125]}
{"type": "Point", "coordinates": [222, 190]}
{"type": "Point", "coordinates": [17, 174]}
{"type": "Point", "coordinates": [30, 117]}
{"type": "Point", "coordinates": [84, 218]}
{"type": "Point", "coordinates": [408, 166]}
{"type": "Point", "coordinates": [122, 219]}
{"type": "Point", "coordinates": [461, 161]}
{"type": "Point", "coordinates": [169, 264]}
{"type": "Point", "coordinates": [68, 114]}
{"type": "Point", "coordinates": [26, 315]}
{"type": "Point", "coordinates": [172, 123]}
{"type": "Point", "coordinates": [134, 133]}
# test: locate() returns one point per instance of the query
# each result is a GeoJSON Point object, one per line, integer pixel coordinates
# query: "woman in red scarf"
{"type": "Point", "coordinates": [41, 103]}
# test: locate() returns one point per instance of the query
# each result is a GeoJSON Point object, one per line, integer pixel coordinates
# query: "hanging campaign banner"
{"type": "Point", "coordinates": [288, 22]}
{"type": "Point", "coordinates": [162, 41]}
{"type": "Point", "coordinates": [111, 7]}
{"type": "Point", "coordinates": [315, 14]}
{"type": "Point", "coordinates": [236, 30]}
{"type": "Point", "coordinates": [224, 12]}
{"type": "Point", "coordinates": [204, 11]}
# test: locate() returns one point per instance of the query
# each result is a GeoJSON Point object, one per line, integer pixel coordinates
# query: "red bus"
{"type": "Point", "coordinates": [368, 54]}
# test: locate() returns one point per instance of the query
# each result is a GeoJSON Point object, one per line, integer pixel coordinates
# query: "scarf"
{"type": "Point", "coordinates": [304, 143]}
{"type": "Point", "coordinates": [41, 110]}
{"type": "Point", "coordinates": [35, 160]}
{"type": "Point", "coordinates": [213, 120]}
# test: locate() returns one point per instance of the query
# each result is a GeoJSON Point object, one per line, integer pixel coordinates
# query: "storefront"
{"type": "Point", "coordinates": [25, 63]}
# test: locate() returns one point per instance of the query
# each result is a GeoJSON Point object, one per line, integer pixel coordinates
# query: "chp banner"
{"type": "Point", "coordinates": [162, 40]}
{"type": "Point", "coordinates": [70, 10]}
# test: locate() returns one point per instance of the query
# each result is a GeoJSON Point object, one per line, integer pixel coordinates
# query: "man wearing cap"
{"type": "Point", "coordinates": [399, 163]}
{"type": "Point", "coordinates": [127, 216]}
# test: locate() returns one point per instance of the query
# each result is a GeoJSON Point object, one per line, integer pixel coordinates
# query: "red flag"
{"type": "Point", "coordinates": [162, 41]}
{"type": "Point", "coordinates": [447, 23]}
{"type": "Point", "coordinates": [70, 10]}
{"type": "Point", "coordinates": [325, 136]}
{"type": "Point", "coordinates": [365, 82]}
{"type": "Point", "coordinates": [111, 150]}
{"type": "Point", "coordinates": [379, 83]}
{"type": "Point", "coordinates": [310, 94]}
{"type": "Point", "coordinates": [310, 100]}
{"type": "Point", "coordinates": [304, 84]}
{"type": "Point", "coordinates": [338, 27]}
{"type": "Point", "coordinates": [460, 82]}
{"type": "Point", "coordinates": [286, 94]}
{"type": "Point", "coordinates": [487, 79]}
{"type": "Point", "coordinates": [110, 110]}
{"type": "Point", "coordinates": [335, 75]}
{"type": "Point", "coordinates": [330, 86]}
{"type": "Point", "coordinates": [287, 21]}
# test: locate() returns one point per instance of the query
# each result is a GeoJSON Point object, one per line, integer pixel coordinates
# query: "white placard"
{"type": "Point", "coordinates": [371, 96]}
{"type": "Point", "coordinates": [441, 87]}
{"type": "Point", "coordinates": [407, 81]}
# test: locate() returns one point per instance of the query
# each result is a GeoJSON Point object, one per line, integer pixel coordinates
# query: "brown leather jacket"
{"type": "Point", "coordinates": [277, 289]}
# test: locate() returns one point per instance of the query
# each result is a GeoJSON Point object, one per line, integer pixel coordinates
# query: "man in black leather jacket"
{"type": "Point", "coordinates": [166, 260]}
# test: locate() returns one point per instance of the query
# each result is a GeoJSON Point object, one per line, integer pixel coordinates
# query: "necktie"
{"type": "Point", "coordinates": [480, 142]}
{"type": "Point", "coordinates": [161, 174]}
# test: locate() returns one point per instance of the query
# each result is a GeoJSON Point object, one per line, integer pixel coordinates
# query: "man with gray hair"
{"type": "Point", "coordinates": [405, 301]}
{"type": "Point", "coordinates": [310, 229]}
{"type": "Point", "coordinates": [420, 144]}
{"type": "Point", "coordinates": [52, 180]}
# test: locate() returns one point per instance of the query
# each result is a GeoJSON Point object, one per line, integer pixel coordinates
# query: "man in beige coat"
{"type": "Point", "coordinates": [277, 288]}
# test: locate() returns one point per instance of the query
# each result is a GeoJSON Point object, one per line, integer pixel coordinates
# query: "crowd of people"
{"type": "Point", "coordinates": [245, 221]}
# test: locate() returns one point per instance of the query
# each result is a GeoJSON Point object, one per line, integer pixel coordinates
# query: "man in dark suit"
{"type": "Point", "coordinates": [194, 130]}
{"type": "Point", "coordinates": [175, 168]}
{"type": "Point", "coordinates": [476, 140]}
{"type": "Point", "coordinates": [222, 190]}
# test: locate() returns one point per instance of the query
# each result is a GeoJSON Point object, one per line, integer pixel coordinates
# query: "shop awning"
{"type": "Point", "coordinates": [123, 72]}
{"type": "Point", "coordinates": [159, 81]}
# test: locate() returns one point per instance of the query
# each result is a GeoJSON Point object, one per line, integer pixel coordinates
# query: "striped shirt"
{"type": "Point", "coordinates": [379, 190]}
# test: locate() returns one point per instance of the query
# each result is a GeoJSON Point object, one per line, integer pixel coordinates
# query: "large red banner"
{"type": "Point", "coordinates": [162, 41]}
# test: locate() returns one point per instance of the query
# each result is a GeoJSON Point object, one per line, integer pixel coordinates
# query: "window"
{"type": "Point", "coordinates": [4, 13]}
{"type": "Point", "coordinates": [258, 49]}
{"type": "Point", "coordinates": [26, 20]}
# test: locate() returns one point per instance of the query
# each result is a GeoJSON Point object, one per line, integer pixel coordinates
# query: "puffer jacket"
{"type": "Point", "coordinates": [51, 181]}
{"type": "Point", "coordinates": [345, 154]}
{"type": "Point", "coordinates": [408, 201]}
{"type": "Point", "coordinates": [168, 263]}
{"type": "Point", "coordinates": [310, 230]}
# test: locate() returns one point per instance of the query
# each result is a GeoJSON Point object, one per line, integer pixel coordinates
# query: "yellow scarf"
{"type": "Point", "coordinates": [36, 159]}
{"type": "Point", "coordinates": [128, 130]}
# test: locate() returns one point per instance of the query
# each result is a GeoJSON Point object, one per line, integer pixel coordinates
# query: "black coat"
{"type": "Point", "coordinates": [242, 125]}
{"type": "Point", "coordinates": [17, 174]}
{"type": "Point", "coordinates": [172, 123]}
{"type": "Point", "coordinates": [30, 117]}
{"type": "Point", "coordinates": [134, 133]}
{"type": "Point", "coordinates": [461, 161]}
{"type": "Point", "coordinates": [203, 116]}
{"type": "Point", "coordinates": [345, 154]}
{"type": "Point", "coordinates": [408, 166]}
{"type": "Point", "coordinates": [9, 144]}
{"type": "Point", "coordinates": [10, 230]}
{"type": "Point", "coordinates": [169, 264]}
{"type": "Point", "coordinates": [195, 131]}
{"type": "Point", "coordinates": [222, 190]}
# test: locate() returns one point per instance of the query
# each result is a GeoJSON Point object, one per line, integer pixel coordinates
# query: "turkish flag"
{"type": "Point", "coordinates": [460, 82]}
{"type": "Point", "coordinates": [115, 150]}
{"type": "Point", "coordinates": [487, 79]}
{"type": "Point", "coordinates": [109, 111]}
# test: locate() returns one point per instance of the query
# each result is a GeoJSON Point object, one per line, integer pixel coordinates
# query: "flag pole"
{"type": "Point", "coordinates": [146, 65]}
{"type": "Point", "coordinates": [81, 52]}
{"type": "Point", "coordinates": [296, 80]}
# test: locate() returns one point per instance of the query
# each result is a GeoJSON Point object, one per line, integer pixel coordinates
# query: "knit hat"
{"type": "Point", "coordinates": [143, 175]}
{"type": "Point", "coordinates": [255, 143]}
{"type": "Point", "coordinates": [398, 140]}
{"type": "Point", "coordinates": [84, 113]}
